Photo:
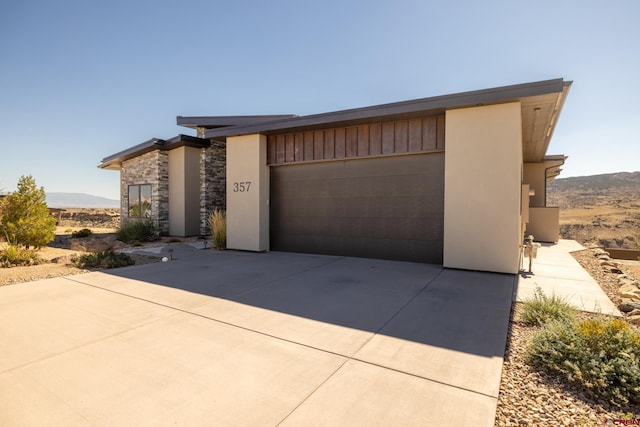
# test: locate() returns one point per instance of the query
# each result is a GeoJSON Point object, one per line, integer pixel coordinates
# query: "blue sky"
{"type": "Point", "coordinates": [81, 80]}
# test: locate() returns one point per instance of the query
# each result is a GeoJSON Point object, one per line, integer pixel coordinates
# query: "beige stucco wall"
{"type": "Point", "coordinates": [534, 175]}
{"type": "Point", "coordinates": [483, 176]}
{"type": "Point", "coordinates": [544, 224]}
{"type": "Point", "coordinates": [184, 191]}
{"type": "Point", "coordinates": [247, 204]}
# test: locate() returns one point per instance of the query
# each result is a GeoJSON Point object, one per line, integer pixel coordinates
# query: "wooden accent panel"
{"type": "Point", "coordinates": [395, 137]}
{"type": "Point", "coordinates": [352, 142]}
{"type": "Point", "coordinates": [308, 146]}
{"type": "Point", "coordinates": [290, 148]}
{"type": "Point", "coordinates": [401, 137]}
{"type": "Point", "coordinates": [415, 135]}
{"type": "Point", "coordinates": [375, 139]}
{"type": "Point", "coordinates": [318, 145]}
{"type": "Point", "coordinates": [299, 147]}
{"type": "Point", "coordinates": [340, 141]}
{"type": "Point", "coordinates": [271, 149]}
{"type": "Point", "coordinates": [440, 133]}
{"type": "Point", "coordinates": [429, 134]}
{"type": "Point", "coordinates": [329, 143]}
{"type": "Point", "coordinates": [363, 141]}
{"type": "Point", "coordinates": [280, 157]}
{"type": "Point", "coordinates": [388, 138]}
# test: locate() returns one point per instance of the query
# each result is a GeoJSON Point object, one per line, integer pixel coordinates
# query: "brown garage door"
{"type": "Point", "coordinates": [386, 207]}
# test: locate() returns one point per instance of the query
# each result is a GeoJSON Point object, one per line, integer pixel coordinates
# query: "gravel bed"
{"type": "Point", "coordinates": [531, 397]}
{"type": "Point", "coordinates": [13, 275]}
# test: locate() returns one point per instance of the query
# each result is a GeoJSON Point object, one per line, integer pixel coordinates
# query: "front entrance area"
{"type": "Point", "coordinates": [386, 207]}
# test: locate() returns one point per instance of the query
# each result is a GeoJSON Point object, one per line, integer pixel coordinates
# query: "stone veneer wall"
{"type": "Point", "coordinates": [149, 168]}
{"type": "Point", "coordinates": [213, 183]}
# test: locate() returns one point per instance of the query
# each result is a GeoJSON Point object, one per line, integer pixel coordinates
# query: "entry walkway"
{"type": "Point", "coordinates": [556, 272]}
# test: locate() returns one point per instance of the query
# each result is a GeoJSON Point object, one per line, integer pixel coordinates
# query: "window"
{"type": "Point", "coordinates": [140, 201]}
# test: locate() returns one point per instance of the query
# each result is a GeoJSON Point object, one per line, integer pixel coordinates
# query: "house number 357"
{"type": "Point", "coordinates": [241, 187]}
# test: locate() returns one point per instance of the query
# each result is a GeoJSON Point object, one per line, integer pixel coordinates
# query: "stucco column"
{"type": "Point", "coordinates": [184, 191]}
{"type": "Point", "coordinates": [483, 176]}
{"type": "Point", "coordinates": [247, 193]}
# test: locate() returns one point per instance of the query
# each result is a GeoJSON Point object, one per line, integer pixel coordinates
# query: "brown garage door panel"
{"type": "Point", "coordinates": [388, 207]}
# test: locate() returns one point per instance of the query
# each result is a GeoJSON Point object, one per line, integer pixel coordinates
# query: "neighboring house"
{"type": "Point", "coordinates": [455, 180]}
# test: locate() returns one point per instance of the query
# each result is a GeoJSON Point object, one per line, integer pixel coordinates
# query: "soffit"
{"type": "Point", "coordinates": [539, 117]}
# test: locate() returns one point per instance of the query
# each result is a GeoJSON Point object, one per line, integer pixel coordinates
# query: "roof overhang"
{"type": "Point", "coordinates": [553, 166]}
{"type": "Point", "coordinates": [214, 122]}
{"type": "Point", "coordinates": [541, 105]}
{"type": "Point", "coordinates": [114, 162]}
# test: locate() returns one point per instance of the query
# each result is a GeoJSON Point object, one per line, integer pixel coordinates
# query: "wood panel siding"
{"type": "Point", "coordinates": [396, 137]}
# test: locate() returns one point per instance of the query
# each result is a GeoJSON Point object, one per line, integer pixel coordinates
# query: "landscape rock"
{"type": "Point", "coordinates": [613, 270]}
{"type": "Point", "coordinates": [599, 251]}
{"type": "Point", "coordinates": [627, 281]}
{"type": "Point", "coordinates": [635, 320]}
{"type": "Point", "coordinates": [65, 259]}
{"type": "Point", "coordinates": [609, 263]}
{"type": "Point", "coordinates": [628, 305]}
{"type": "Point", "coordinates": [629, 291]}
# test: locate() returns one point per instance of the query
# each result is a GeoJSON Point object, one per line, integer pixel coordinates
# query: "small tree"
{"type": "Point", "coordinates": [25, 217]}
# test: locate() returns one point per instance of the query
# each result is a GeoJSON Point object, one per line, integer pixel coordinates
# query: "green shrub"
{"type": "Point", "coordinates": [141, 231]}
{"type": "Point", "coordinates": [541, 309]}
{"type": "Point", "coordinates": [602, 355]}
{"type": "Point", "coordinates": [16, 255]}
{"type": "Point", "coordinates": [218, 225]}
{"type": "Point", "coordinates": [25, 217]}
{"type": "Point", "coordinates": [105, 259]}
{"type": "Point", "coordinates": [85, 232]}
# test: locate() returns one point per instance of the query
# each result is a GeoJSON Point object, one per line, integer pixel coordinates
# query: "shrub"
{"type": "Point", "coordinates": [218, 225]}
{"type": "Point", "coordinates": [25, 217]}
{"type": "Point", "coordinates": [603, 355]}
{"type": "Point", "coordinates": [541, 309]}
{"type": "Point", "coordinates": [15, 255]}
{"type": "Point", "coordinates": [105, 259]}
{"type": "Point", "coordinates": [85, 232]}
{"type": "Point", "coordinates": [141, 231]}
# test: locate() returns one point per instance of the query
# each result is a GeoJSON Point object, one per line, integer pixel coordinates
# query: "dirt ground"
{"type": "Point", "coordinates": [57, 255]}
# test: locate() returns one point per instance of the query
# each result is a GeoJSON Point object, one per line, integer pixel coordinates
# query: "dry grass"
{"type": "Point", "coordinates": [218, 225]}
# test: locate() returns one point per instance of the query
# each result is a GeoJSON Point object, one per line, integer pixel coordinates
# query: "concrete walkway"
{"type": "Point", "coordinates": [556, 272]}
{"type": "Point", "coordinates": [245, 339]}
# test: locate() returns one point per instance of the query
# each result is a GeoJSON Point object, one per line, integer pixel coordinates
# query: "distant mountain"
{"type": "Point", "coordinates": [594, 190]}
{"type": "Point", "coordinates": [79, 200]}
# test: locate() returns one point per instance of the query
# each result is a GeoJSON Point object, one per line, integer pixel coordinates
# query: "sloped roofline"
{"type": "Point", "coordinates": [213, 122]}
{"type": "Point", "coordinates": [115, 160]}
{"type": "Point", "coordinates": [396, 110]}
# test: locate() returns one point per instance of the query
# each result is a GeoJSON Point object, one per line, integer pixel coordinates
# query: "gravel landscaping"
{"type": "Point", "coordinates": [531, 397]}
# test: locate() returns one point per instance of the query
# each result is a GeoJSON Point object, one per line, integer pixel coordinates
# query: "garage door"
{"type": "Point", "coordinates": [386, 207]}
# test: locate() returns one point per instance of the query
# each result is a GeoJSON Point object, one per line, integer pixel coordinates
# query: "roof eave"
{"type": "Point", "coordinates": [114, 162]}
{"type": "Point", "coordinates": [214, 122]}
{"type": "Point", "coordinates": [432, 105]}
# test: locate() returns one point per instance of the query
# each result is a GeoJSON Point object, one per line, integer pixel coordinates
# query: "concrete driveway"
{"type": "Point", "coordinates": [246, 339]}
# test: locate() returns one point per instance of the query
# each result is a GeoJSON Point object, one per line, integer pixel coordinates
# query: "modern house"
{"type": "Point", "coordinates": [455, 180]}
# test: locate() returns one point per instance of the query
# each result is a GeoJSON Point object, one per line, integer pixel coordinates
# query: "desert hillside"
{"type": "Point", "coordinates": [93, 218]}
{"type": "Point", "coordinates": [603, 209]}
